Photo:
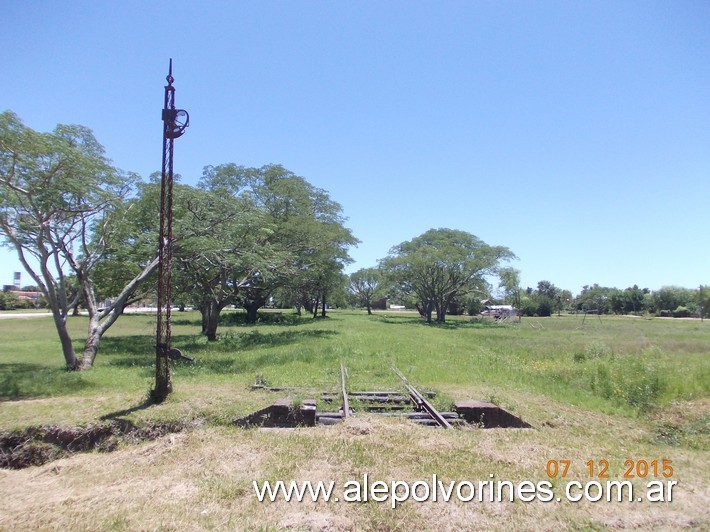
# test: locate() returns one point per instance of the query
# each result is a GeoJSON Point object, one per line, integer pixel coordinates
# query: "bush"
{"type": "Point", "coordinates": [544, 307]}
{"type": "Point", "coordinates": [634, 380]}
{"type": "Point", "coordinates": [681, 312]}
{"type": "Point", "coordinates": [529, 307]}
{"type": "Point", "coordinates": [474, 306]}
{"type": "Point", "coordinates": [9, 301]}
{"type": "Point", "coordinates": [264, 318]}
{"type": "Point", "coordinates": [592, 351]}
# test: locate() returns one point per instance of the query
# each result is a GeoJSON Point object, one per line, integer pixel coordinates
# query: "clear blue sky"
{"type": "Point", "coordinates": [575, 133]}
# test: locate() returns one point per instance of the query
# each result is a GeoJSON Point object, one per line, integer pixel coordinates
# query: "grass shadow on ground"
{"type": "Point", "coordinates": [222, 356]}
{"type": "Point", "coordinates": [26, 381]}
{"type": "Point", "coordinates": [120, 414]}
{"type": "Point", "coordinates": [456, 323]}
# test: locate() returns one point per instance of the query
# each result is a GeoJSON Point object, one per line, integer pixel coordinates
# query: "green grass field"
{"type": "Point", "coordinates": [613, 389]}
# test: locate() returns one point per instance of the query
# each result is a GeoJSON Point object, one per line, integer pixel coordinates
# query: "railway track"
{"type": "Point", "coordinates": [393, 403]}
{"type": "Point", "coordinates": [409, 403]}
{"type": "Point", "coordinates": [421, 402]}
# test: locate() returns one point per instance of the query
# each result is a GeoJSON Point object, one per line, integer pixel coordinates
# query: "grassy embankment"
{"type": "Point", "coordinates": [613, 389]}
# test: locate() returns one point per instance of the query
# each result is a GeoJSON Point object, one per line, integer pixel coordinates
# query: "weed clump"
{"type": "Point", "coordinates": [594, 350]}
{"type": "Point", "coordinates": [683, 424]}
{"type": "Point", "coordinates": [631, 380]}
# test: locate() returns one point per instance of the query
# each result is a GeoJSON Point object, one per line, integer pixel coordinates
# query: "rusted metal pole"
{"type": "Point", "coordinates": [174, 123]}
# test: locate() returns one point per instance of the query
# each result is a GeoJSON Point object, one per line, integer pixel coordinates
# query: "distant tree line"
{"type": "Point", "coordinates": [369, 285]}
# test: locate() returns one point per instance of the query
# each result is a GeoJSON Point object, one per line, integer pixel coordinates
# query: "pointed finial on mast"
{"type": "Point", "coordinates": [170, 77]}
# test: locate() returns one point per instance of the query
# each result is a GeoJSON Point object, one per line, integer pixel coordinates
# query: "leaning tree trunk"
{"type": "Point", "coordinates": [210, 319]}
{"type": "Point", "coordinates": [91, 345]}
{"type": "Point", "coordinates": [315, 308]}
{"type": "Point", "coordinates": [204, 313]}
{"type": "Point", "coordinates": [425, 310]}
{"type": "Point", "coordinates": [65, 340]}
{"type": "Point", "coordinates": [252, 308]}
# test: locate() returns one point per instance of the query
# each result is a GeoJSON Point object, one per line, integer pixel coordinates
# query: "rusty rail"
{"type": "Point", "coordinates": [346, 404]}
{"type": "Point", "coordinates": [422, 403]}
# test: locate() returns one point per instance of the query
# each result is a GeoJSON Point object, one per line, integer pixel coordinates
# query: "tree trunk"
{"type": "Point", "coordinates": [441, 313]}
{"type": "Point", "coordinates": [425, 310]}
{"type": "Point", "coordinates": [204, 313]}
{"type": "Point", "coordinates": [212, 320]}
{"type": "Point", "coordinates": [252, 307]}
{"type": "Point", "coordinates": [315, 309]}
{"type": "Point", "coordinates": [64, 338]}
{"type": "Point", "coordinates": [251, 312]}
{"type": "Point", "coordinates": [369, 309]}
{"type": "Point", "coordinates": [323, 312]}
{"type": "Point", "coordinates": [91, 345]}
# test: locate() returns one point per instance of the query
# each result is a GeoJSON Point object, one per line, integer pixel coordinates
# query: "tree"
{"type": "Point", "coordinates": [364, 285]}
{"type": "Point", "coordinates": [594, 298]}
{"type": "Point", "coordinates": [510, 282]}
{"type": "Point", "coordinates": [629, 300]}
{"type": "Point", "coordinates": [223, 249]}
{"type": "Point", "coordinates": [440, 265]}
{"type": "Point", "coordinates": [307, 240]}
{"type": "Point", "coordinates": [547, 289]}
{"type": "Point", "coordinates": [668, 298]}
{"type": "Point", "coordinates": [134, 242]}
{"type": "Point", "coordinates": [61, 203]}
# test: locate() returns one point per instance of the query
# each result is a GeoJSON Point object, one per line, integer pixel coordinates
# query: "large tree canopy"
{"type": "Point", "coordinates": [441, 265]}
{"type": "Point", "coordinates": [306, 244]}
{"type": "Point", "coordinates": [61, 203]}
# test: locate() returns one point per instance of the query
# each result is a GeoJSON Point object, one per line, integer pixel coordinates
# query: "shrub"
{"type": "Point", "coordinates": [544, 307]}
{"type": "Point", "coordinates": [592, 351]}
{"type": "Point", "coordinates": [9, 301]}
{"type": "Point", "coordinates": [264, 318]}
{"type": "Point", "coordinates": [528, 307]}
{"type": "Point", "coordinates": [633, 380]}
{"type": "Point", "coordinates": [681, 312]}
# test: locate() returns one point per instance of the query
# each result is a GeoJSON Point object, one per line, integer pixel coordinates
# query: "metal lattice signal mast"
{"type": "Point", "coordinates": [174, 123]}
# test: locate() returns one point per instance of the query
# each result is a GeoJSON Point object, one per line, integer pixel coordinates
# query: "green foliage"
{"type": "Point", "coordinates": [595, 298]}
{"type": "Point", "coordinates": [681, 312]}
{"type": "Point", "coordinates": [263, 318]}
{"type": "Point", "coordinates": [60, 201]}
{"type": "Point", "coordinates": [669, 298]}
{"type": "Point", "coordinates": [273, 232]}
{"type": "Point", "coordinates": [544, 306]}
{"type": "Point", "coordinates": [636, 381]}
{"type": "Point", "coordinates": [473, 305]}
{"type": "Point", "coordinates": [689, 430]}
{"type": "Point", "coordinates": [528, 306]}
{"type": "Point", "coordinates": [10, 301]}
{"type": "Point", "coordinates": [366, 286]}
{"type": "Point", "coordinates": [441, 265]}
{"type": "Point", "coordinates": [593, 350]}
